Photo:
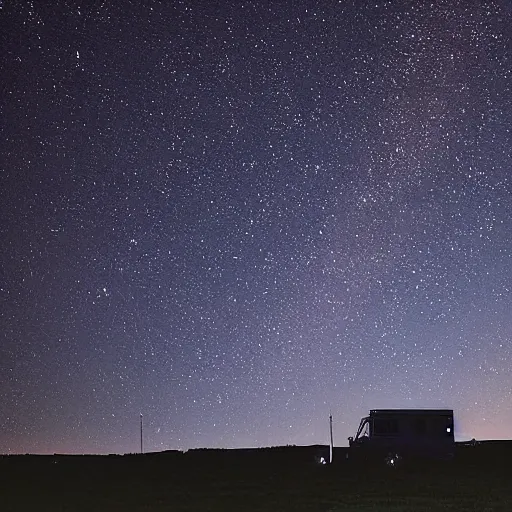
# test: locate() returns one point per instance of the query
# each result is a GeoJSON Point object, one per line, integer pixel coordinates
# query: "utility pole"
{"type": "Point", "coordinates": [141, 442]}
{"type": "Point", "coordinates": [331, 446]}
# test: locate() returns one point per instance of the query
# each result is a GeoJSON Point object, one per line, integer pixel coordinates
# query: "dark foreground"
{"type": "Point", "coordinates": [278, 479]}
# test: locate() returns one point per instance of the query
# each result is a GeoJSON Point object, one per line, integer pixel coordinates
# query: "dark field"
{"type": "Point", "coordinates": [277, 479]}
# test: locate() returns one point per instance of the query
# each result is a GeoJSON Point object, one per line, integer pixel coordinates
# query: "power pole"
{"type": "Point", "coordinates": [331, 446]}
{"type": "Point", "coordinates": [141, 438]}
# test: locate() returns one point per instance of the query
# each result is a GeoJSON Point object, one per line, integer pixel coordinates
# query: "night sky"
{"type": "Point", "coordinates": [236, 217]}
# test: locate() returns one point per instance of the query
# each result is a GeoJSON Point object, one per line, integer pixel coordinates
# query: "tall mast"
{"type": "Point", "coordinates": [141, 442]}
{"type": "Point", "coordinates": [331, 446]}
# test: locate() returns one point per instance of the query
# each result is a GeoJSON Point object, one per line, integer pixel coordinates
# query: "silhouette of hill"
{"type": "Point", "coordinates": [279, 478]}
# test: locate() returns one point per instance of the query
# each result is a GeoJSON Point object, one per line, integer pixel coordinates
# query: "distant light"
{"type": "Point", "coordinates": [392, 460]}
{"type": "Point", "coordinates": [322, 461]}
{"type": "Point", "coordinates": [448, 429]}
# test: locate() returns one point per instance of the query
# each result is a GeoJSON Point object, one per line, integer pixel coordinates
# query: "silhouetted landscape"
{"type": "Point", "coordinates": [267, 479]}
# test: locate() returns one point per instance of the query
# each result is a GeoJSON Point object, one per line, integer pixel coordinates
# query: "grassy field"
{"type": "Point", "coordinates": [280, 479]}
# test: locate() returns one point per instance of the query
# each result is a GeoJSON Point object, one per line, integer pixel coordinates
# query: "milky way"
{"type": "Point", "coordinates": [235, 218]}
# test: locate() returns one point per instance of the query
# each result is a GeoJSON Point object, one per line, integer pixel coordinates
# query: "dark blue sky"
{"type": "Point", "coordinates": [235, 217]}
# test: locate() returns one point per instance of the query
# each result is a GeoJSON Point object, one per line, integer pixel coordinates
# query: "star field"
{"type": "Point", "coordinates": [236, 217]}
